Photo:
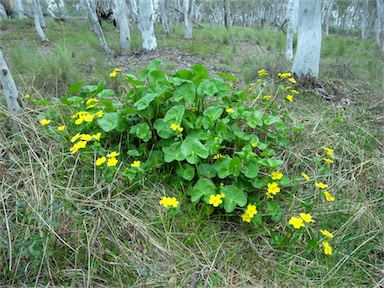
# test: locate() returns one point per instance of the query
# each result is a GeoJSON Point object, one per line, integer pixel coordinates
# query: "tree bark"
{"type": "Point", "coordinates": [146, 19]}
{"type": "Point", "coordinates": [20, 9]}
{"type": "Point", "coordinates": [96, 25]}
{"type": "Point", "coordinates": [328, 15]}
{"type": "Point", "coordinates": [164, 17]}
{"type": "Point", "coordinates": [188, 5]}
{"type": "Point", "coordinates": [37, 20]}
{"type": "Point", "coordinates": [379, 23]}
{"type": "Point", "coordinates": [10, 91]}
{"type": "Point", "coordinates": [292, 11]}
{"type": "Point", "coordinates": [364, 20]}
{"type": "Point", "coordinates": [122, 20]}
{"type": "Point", "coordinates": [307, 58]}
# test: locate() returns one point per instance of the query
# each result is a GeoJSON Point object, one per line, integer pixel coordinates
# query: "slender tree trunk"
{"type": "Point", "coordinates": [10, 91]}
{"type": "Point", "coordinates": [328, 15]}
{"type": "Point", "coordinates": [96, 25]}
{"type": "Point", "coordinates": [37, 19]}
{"type": "Point", "coordinates": [20, 9]}
{"type": "Point", "coordinates": [379, 23]}
{"type": "Point", "coordinates": [227, 13]}
{"type": "Point", "coordinates": [164, 17]}
{"type": "Point", "coordinates": [40, 13]}
{"type": "Point", "coordinates": [292, 11]}
{"type": "Point", "coordinates": [122, 20]}
{"type": "Point", "coordinates": [146, 25]}
{"type": "Point", "coordinates": [188, 19]}
{"type": "Point", "coordinates": [307, 58]}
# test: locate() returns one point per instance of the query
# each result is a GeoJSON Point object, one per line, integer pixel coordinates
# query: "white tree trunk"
{"type": "Point", "coordinates": [164, 17]}
{"type": "Point", "coordinates": [146, 21]}
{"type": "Point", "coordinates": [20, 9]}
{"type": "Point", "coordinates": [188, 4]}
{"type": "Point", "coordinates": [122, 21]}
{"type": "Point", "coordinates": [292, 11]}
{"type": "Point", "coordinates": [37, 19]}
{"type": "Point", "coordinates": [43, 24]}
{"type": "Point", "coordinates": [379, 23]}
{"type": "Point", "coordinates": [96, 25]}
{"type": "Point", "coordinates": [327, 16]}
{"type": "Point", "coordinates": [307, 58]}
{"type": "Point", "coordinates": [10, 90]}
{"type": "Point", "coordinates": [364, 21]}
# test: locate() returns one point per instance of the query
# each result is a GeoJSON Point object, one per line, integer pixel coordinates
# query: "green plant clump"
{"type": "Point", "coordinates": [208, 138]}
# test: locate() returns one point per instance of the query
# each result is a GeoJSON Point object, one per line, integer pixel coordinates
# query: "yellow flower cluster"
{"type": "Point", "coordinates": [84, 139]}
{"type": "Point", "coordinates": [216, 200]}
{"type": "Point", "coordinates": [45, 122]}
{"type": "Point", "coordinates": [328, 196]}
{"type": "Point", "coordinates": [250, 212]}
{"type": "Point", "coordinates": [114, 72]}
{"type": "Point", "coordinates": [218, 156]}
{"type": "Point", "coordinates": [298, 222]}
{"type": "Point", "coordinates": [329, 151]}
{"type": "Point", "coordinates": [327, 248]}
{"type": "Point", "coordinates": [176, 127]}
{"type": "Point", "coordinates": [169, 202]}
{"type": "Point", "coordinates": [262, 73]}
{"type": "Point", "coordinates": [85, 116]}
{"type": "Point", "coordinates": [284, 75]}
{"type": "Point", "coordinates": [111, 162]}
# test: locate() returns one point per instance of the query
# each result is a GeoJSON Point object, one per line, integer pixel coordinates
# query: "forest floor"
{"type": "Point", "coordinates": [62, 224]}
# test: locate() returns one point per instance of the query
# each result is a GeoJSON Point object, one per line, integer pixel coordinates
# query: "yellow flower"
{"type": "Point", "coordinates": [218, 156]}
{"type": "Point", "coordinates": [267, 97]}
{"type": "Point", "coordinates": [328, 196]}
{"type": "Point", "coordinates": [99, 114]}
{"type": "Point", "coordinates": [292, 80]}
{"type": "Point", "coordinates": [45, 122]}
{"type": "Point", "coordinates": [88, 117]}
{"type": "Point", "coordinates": [91, 100]}
{"type": "Point", "coordinates": [289, 98]}
{"type": "Point", "coordinates": [90, 106]}
{"type": "Point", "coordinates": [306, 177]}
{"type": "Point", "coordinates": [306, 217]}
{"type": "Point", "coordinates": [273, 188]}
{"type": "Point", "coordinates": [169, 202]}
{"type": "Point", "coordinates": [96, 136]}
{"type": "Point", "coordinates": [222, 194]}
{"type": "Point", "coordinates": [276, 175]}
{"type": "Point", "coordinates": [113, 74]}
{"type": "Point", "coordinates": [246, 217]}
{"type": "Point", "coordinates": [85, 137]}
{"type": "Point", "coordinates": [269, 195]}
{"type": "Point", "coordinates": [112, 161]}
{"type": "Point", "coordinates": [113, 154]}
{"type": "Point", "coordinates": [251, 210]}
{"type": "Point", "coordinates": [100, 161]}
{"type": "Point", "coordinates": [327, 248]}
{"type": "Point", "coordinates": [215, 200]}
{"type": "Point", "coordinates": [294, 91]}
{"type": "Point", "coordinates": [117, 69]}
{"type": "Point", "coordinates": [252, 85]}
{"type": "Point", "coordinates": [75, 138]}
{"type": "Point", "coordinates": [254, 144]}
{"type": "Point", "coordinates": [329, 152]}
{"type": "Point", "coordinates": [284, 75]}
{"type": "Point", "coordinates": [229, 110]}
{"type": "Point", "coordinates": [296, 222]}
{"type": "Point", "coordinates": [175, 127]}
{"type": "Point", "coordinates": [27, 96]}
{"type": "Point", "coordinates": [78, 145]}
{"type": "Point", "coordinates": [262, 72]}
{"type": "Point", "coordinates": [327, 160]}
{"type": "Point", "coordinates": [321, 185]}
{"type": "Point", "coordinates": [192, 108]}
{"type": "Point", "coordinates": [327, 233]}
{"type": "Point", "coordinates": [136, 164]}
{"type": "Point", "coordinates": [61, 128]}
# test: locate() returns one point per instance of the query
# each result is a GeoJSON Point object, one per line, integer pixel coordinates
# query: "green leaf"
{"type": "Point", "coordinates": [109, 121]}
{"type": "Point", "coordinates": [222, 167]}
{"type": "Point", "coordinates": [277, 240]}
{"type": "Point", "coordinates": [254, 118]}
{"type": "Point", "coordinates": [233, 197]}
{"type": "Point", "coordinates": [186, 171]}
{"type": "Point", "coordinates": [173, 152]}
{"type": "Point", "coordinates": [192, 147]}
{"type": "Point", "coordinates": [212, 87]}
{"type": "Point", "coordinates": [163, 129]}
{"type": "Point", "coordinates": [74, 88]}
{"type": "Point", "coordinates": [41, 102]}
{"type": "Point", "coordinates": [250, 168]}
{"type": "Point", "coordinates": [153, 65]}
{"type": "Point", "coordinates": [274, 211]}
{"type": "Point", "coordinates": [133, 153]}
{"type": "Point", "coordinates": [213, 112]}
{"type": "Point", "coordinates": [270, 119]}
{"type": "Point", "coordinates": [226, 76]}
{"type": "Point", "coordinates": [256, 220]}
{"type": "Point", "coordinates": [270, 163]}
{"type": "Point", "coordinates": [143, 131]}
{"type": "Point", "coordinates": [175, 115]}
{"type": "Point", "coordinates": [106, 93]}
{"type": "Point", "coordinates": [145, 101]}
{"type": "Point", "coordinates": [206, 170]}
{"type": "Point", "coordinates": [132, 79]}
{"type": "Point", "coordinates": [186, 91]}
{"type": "Point", "coordinates": [235, 166]}
{"type": "Point", "coordinates": [203, 188]}
{"type": "Point", "coordinates": [70, 100]}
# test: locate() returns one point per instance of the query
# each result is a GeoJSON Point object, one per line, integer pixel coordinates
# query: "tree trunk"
{"type": "Point", "coordinates": [37, 18]}
{"type": "Point", "coordinates": [328, 15]}
{"type": "Point", "coordinates": [96, 25]}
{"type": "Point", "coordinates": [227, 13]}
{"type": "Point", "coordinates": [146, 19]}
{"type": "Point", "coordinates": [379, 23]}
{"type": "Point", "coordinates": [43, 24]}
{"type": "Point", "coordinates": [307, 58]}
{"type": "Point", "coordinates": [20, 9]}
{"type": "Point", "coordinates": [10, 91]}
{"type": "Point", "coordinates": [292, 11]}
{"type": "Point", "coordinates": [364, 21]}
{"type": "Point", "coordinates": [188, 19]}
{"type": "Point", "coordinates": [164, 17]}
{"type": "Point", "coordinates": [122, 20]}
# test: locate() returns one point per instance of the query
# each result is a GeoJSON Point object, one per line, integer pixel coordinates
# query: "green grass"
{"type": "Point", "coordinates": [61, 224]}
